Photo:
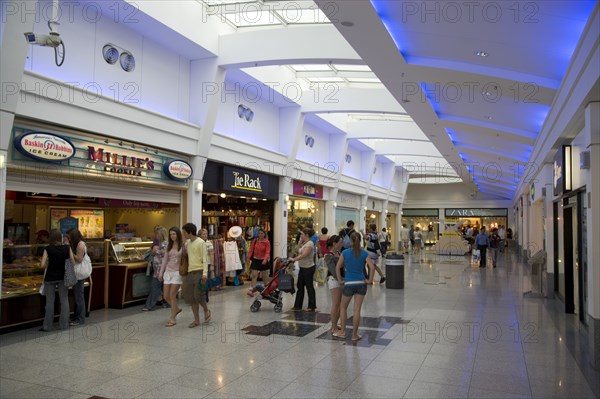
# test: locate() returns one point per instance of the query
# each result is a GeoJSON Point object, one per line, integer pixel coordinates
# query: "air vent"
{"type": "Point", "coordinates": [309, 141]}
{"type": "Point", "coordinates": [127, 61]}
{"type": "Point", "coordinates": [348, 158]}
{"type": "Point", "coordinates": [110, 54]}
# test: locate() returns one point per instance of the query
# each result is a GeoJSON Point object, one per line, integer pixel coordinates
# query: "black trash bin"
{"type": "Point", "coordinates": [394, 271]}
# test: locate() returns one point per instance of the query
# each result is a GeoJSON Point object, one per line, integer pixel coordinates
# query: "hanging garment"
{"type": "Point", "coordinates": [232, 256]}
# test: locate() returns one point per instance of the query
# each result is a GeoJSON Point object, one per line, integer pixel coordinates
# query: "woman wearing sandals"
{"type": "Point", "coordinates": [332, 255]}
{"type": "Point", "coordinates": [169, 273]}
{"type": "Point", "coordinates": [354, 283]}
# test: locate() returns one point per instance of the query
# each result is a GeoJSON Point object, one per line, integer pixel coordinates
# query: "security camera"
{"type": "Point", "coordinates": [51, 40]}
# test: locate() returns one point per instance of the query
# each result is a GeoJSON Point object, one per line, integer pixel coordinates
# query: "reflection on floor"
{"type": "Point", "coordinates": [454, 331]}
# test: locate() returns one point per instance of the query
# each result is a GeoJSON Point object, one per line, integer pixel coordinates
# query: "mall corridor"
{"type": "Point", "coordinates": [454, 331]}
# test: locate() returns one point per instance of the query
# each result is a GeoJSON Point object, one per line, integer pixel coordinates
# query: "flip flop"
{"type": "Point", "coordinates": [339, 335]}
{"type": "Point", "coordinates": [207, 318]}
{"type": "Point", "coordinates": [193, 324]}
{"type": "Point", "coordinates": [179, 311]}
{"type": "Point", "coordinates": [357, 338]}
{"type": "Point", "coordinates": [170, 324]}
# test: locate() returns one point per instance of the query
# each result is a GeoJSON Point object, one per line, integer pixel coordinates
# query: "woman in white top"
{"type": "Point", "coordinates": [307, 271]}
{"type": "Point", "coordinates": [169, 272]}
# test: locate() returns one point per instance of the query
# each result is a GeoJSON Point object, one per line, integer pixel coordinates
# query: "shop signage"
{"type": "Point", "coordinates": [421, 212]}
{"type": "Point", "coordinates": [348, 200]}
{"type": "Point", "coordinates": [562, 170]}
{"type": "Point", "coordinates": [45, 147]}
{"type": "Point", "coordinates": [474, 212]}
{"type": "Point", "coordinates": [117, 203]}
{"type": "Point", "coordinates": [118, 163]}
{"type": "Point", "coordinates": [245, 181]}
{"type": "Point", "coordinates": [178, 170]}
{"type": "Point", "coordinates": [308, 190]}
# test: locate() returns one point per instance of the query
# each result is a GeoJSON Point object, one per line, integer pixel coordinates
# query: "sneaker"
{"type": "Point", "coordinates": [74, 323]}
{"type": "Point", "coordinates": [382, 280]}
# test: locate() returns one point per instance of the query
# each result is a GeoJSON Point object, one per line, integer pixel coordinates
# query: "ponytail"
{"type": "Point", "coordinates": [356, 244]}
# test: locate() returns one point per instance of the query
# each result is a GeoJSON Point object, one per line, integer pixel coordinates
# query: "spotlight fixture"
{"type": "Point", "coordinates": [309, 141]}
{"type": "Point", "coordinates": [110, 54]}
{"type": "Point", "coordinates": [223, 195]}
{"type": "Point", "coordinates": [127, 61]}
{"type": "Point", "coordinates": [481, 53]}
{"type": "Point", "coordinates": [245, 113]}
{"type": "Point", "coordinates": [106, 141]}
{"type": "Point", "coordinates": [348, 158]}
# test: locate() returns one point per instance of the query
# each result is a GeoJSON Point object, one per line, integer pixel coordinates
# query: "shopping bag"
{"type": "Point", "coordinates": [321, 271]}
{"type": "Point", "coordinates": [70, 278]}
{"type": "Point", "coordinates": [83, 269]}
{"type": "Point", "coordinates": [286, 283]}
{"type": "Point", "coordinates": [476, 255]}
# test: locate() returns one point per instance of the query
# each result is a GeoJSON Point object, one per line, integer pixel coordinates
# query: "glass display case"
{"type": "Point", "coordinates": [22, 273]}
{"type": "Point", "coordinates": [125, 252]}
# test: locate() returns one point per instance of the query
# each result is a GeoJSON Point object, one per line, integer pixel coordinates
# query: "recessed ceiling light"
{"type": "Point", "coordinates": [489, 118]}
{"type": "Point", "coordinates": [481, 53]}
{"type": "Point", "coordinates": [347, 23]}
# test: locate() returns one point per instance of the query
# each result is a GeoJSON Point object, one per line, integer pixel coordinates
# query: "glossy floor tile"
{"type": "Point", "coordinates": [454, 331]}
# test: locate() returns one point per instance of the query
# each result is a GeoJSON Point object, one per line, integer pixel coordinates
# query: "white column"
{"type": "Point", "coordinates": [194, 193]}
{"type": "Point", "coordinates": [280, 219]}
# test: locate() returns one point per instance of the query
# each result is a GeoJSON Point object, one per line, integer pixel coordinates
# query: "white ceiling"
{"type": "Point", "coordinates": [411, 84]}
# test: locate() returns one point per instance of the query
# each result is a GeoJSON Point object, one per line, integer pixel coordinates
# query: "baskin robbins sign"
{"type": "Point", "coordinates": [178, 170]}
{"type": "Point", "coordinates": [46, 147]}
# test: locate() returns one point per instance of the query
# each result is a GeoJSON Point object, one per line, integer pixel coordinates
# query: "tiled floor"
{"type": "Point", "coordinates": [455, 331]}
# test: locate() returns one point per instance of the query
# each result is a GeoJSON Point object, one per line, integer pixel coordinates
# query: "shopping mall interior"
{"type": "Point", "coordinates": [267, 121]}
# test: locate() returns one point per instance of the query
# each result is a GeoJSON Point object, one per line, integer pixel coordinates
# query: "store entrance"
{"type": "Point", "coordinates": [571, 251]}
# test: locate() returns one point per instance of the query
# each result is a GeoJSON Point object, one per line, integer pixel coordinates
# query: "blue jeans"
{"type": "Point", "coordinates": [155, 293]}
{"type": "Point", "coordinates": [63, 294]}
{"type": "Point", "coordinates": [78, 292]}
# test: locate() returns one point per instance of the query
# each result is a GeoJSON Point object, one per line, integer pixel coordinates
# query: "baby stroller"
{"type": "Point", "coordinates": [282, 281]}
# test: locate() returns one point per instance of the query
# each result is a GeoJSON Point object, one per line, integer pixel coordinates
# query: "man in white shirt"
{"type": "Point", "coordinates": [404, 238]}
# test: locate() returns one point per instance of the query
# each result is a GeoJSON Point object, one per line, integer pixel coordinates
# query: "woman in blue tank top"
{"type": "Point", "coordinates": [355, 285]}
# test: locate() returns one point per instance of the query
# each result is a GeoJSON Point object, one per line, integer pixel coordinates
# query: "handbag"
{"type": "Point", "coordinates": [83, 269]}
{"type": "Point", "coordinates": [286, 283]}
{"type": "Point", "coordinates": [70, 277]}
{"type": "Point", "coordinates": [321, 271]}
{"type": "Point", "coordinates": [184, 264]}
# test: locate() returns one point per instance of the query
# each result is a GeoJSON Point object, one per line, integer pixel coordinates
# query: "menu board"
{"type": "Point", "coordinates": [91, 222]}
{"type": "Point", "coordinates": [55, 215]}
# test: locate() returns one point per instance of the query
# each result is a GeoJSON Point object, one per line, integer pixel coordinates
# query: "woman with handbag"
{"type": "Point", "coordinates": [159, 247]}
{"type": "Point", "coordinates": [53, 261]}
{"type": "Point", "coordinates": [169, 273]}
{"type": "Point", "coordinates": [79, 251]}
{"type": "Point", "coordinates": [260, 252]}
{"type": "Point", "coordinates": [306, 274]}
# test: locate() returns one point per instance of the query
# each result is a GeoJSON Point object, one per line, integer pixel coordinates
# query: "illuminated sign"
{"type": "Point", "coordinates": [178, 170]}
{"type": "Point", "coordinates": [562, 170]}
{"type": "Point", "coordinates": [45, 147]}
{"type": "Point", "coordinates": [117, 163]}
{"type": "Point", "coordinates": [307, 189]}
{"type": "Point", "coordinates": [242, 180]}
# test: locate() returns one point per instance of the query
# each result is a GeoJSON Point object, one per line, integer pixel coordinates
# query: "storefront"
{"type": "Point", "coordinates": [347, 208]}
{"type": "Point", "coordinates": [426, 220]}
{"type": "Point", "coordinates": [570, 232]}
{"type": "Point", "coordinates": [477, 217]}
{"type": "Point", "coordinates": [234, 196]}
{"type": "Point", "coordinates": [391, 220]}
{"type": "Point", "coordinates": [112, 191]}
{"type": "Point", "coordinates": [305, 206]}
{"type": "Point", "coordinates": [373, 213]}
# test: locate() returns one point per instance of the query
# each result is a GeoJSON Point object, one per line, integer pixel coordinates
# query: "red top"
{"type": "Point", "coordinates": [260, 249]}
{"type": "Point", "coordinates": [323, 245]}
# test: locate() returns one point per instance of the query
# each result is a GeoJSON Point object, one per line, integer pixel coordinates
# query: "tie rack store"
{"type": "Point", "coordinates": [236, 197]}
{"type": "Point", "coordinates": [112, 191]}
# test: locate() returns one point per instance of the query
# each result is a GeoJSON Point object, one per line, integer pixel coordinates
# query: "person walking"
{"type": "Point", "coordinates": [53, 261]}
{"type": "Point", "coordinates": [259, 255]}
{"type": "Point", "coordinates": [346, 232]}
{"type": "Point", "coordinates": [194, 283]}
{"type": "Point", "coordinates": [334, 246]}
{"type": "Point", "coordinates": [404, 238]}
{"type": "Point", "coordinates": [495, 245]}
{"type": "Point", "coordinates": [169, 273]}
{"type": "Point", "coordinates": [411, 237]}
{"type": "Point", "coordinates": [373, 247]}
{"type": "Point", "coordinates": [79, 250]}
{"type": "Point", "coordinates": [305, 260]}
{"type": "Point", "coordinates": [482, 242]}
{"type": "Point", "coordinates": [354, 283]}
{"type": "Point", "coordinates": [323, 238]}
{"type": "Point", "coordinates": [383, 241]}
{"type": "Point", "coordinates": [210, 257]}
{"type": "Point", "coordinates": [159, 247]}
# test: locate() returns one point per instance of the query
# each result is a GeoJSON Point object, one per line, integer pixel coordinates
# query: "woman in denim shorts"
{"type": "Point", "coordinates": [334, 246]}
{"type": "Point", "coordinates": [355, 285]}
